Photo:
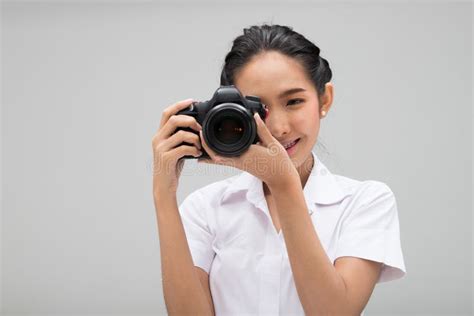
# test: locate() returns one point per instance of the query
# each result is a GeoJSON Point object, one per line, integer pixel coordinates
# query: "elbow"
{"type": "Point", "coordinates": [339, 310]}
{"type": "Point", "coordinates": [335, 308]}
{"type": "Point", "coordinates": [339, 305]}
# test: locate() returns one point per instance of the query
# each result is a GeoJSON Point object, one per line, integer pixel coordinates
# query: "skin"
{"type": "Point", "coordinates": [323, 288]}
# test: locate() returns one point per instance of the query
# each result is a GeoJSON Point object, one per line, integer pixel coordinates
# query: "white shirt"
{"type": "Point", "coordinates": [231, 236]}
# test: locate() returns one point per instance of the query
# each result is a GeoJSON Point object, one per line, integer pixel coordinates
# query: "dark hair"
{"type": "Point", "coordinates": [259, 39]}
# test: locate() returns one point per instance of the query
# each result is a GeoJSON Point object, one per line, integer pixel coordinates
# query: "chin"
{"type": "Point", "coordinates": [302, 156]}
{"type": "Point", "coordinates": [298, 159]}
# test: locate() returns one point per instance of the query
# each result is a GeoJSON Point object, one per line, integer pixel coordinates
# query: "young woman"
{"type": "Point", "coordinates": [285, 236]}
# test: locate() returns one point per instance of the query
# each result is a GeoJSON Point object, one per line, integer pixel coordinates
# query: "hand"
{"type": "Point", "coordinates": [166, 164]}
{"type": "Point", "coordinates": [267, 160]}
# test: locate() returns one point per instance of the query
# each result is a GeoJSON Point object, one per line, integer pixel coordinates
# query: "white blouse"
{"type": "Point", "coordinates": [231, 236]}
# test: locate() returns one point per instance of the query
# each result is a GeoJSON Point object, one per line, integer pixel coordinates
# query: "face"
{"type": "Point", "coordinates": [292, 116]}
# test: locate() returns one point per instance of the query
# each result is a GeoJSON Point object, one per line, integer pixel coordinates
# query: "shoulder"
{"type": "Point", "coordinates": [371, 201]}
{"type": "Point", "coordinates": [364, 191]}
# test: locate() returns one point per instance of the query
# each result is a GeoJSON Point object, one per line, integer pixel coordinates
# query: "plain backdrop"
{"type": "Point", "coordinates": [84, 85]}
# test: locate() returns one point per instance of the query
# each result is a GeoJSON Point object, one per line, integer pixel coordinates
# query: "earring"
{"type": "Point", "coordinates": [323, 113]}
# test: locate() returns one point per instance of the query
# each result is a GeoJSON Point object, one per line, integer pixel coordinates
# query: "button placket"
{"type": "Point", "coordinates": [269, 303]}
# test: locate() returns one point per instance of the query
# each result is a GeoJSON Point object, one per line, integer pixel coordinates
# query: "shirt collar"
{"type": "Point", "coordinates": [321, 186]}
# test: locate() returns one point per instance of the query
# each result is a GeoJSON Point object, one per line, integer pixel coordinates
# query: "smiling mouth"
{"type": "Point", "coordinates": [292, 144]}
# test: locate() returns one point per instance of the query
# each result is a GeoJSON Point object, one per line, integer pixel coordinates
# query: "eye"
{"type": "Point", "coordinates": [295, 100]}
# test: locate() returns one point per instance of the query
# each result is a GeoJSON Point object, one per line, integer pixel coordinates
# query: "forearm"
{"type": "Point", "coordinates": [182, 289]}
{"type": "Point", "coordinates": [320, 288]}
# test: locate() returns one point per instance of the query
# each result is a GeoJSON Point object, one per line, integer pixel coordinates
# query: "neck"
{"type": "Point", "coordinates": [304, 170]}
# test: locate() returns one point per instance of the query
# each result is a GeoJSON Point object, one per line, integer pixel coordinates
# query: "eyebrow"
{"type": "Point", "coordinates": [290, 91]}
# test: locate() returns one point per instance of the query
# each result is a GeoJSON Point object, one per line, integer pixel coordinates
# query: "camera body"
{"type": "Point", "coordinates": [227, 121]}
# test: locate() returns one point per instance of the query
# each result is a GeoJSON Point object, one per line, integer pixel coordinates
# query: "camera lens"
{"type": "Point", "coordinates": [228, 129]}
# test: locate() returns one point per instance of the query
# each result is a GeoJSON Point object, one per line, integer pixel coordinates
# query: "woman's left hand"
{"type": "Point", "coordinates": [267, 160]}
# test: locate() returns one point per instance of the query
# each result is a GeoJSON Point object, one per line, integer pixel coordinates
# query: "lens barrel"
{"type": "Point", "coordinates": [229, 129]}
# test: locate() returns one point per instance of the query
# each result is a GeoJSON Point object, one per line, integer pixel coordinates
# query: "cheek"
{"type": "Point", "coordinates": [307, 121]}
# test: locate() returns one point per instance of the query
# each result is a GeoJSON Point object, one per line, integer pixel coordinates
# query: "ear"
{"type": "Point", "coordinates": [326, 100]}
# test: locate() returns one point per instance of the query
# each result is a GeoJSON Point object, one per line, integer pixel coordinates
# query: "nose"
{"type": "Point", "coordinates": [278, 123]}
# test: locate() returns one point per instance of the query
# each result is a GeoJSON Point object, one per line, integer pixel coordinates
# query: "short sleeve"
{"type": "Point", "coordinates": [198, 233]}
{"type": "Point", "coordinates": [371, 230]}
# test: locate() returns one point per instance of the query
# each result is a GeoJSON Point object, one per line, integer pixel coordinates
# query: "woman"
{"type": "Point", "coordinates": [285, 236]}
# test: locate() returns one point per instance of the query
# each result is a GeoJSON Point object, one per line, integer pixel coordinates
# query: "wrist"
{"type": "Point", "coordinates": [284, 184]}
{"type": "Point", "coordinates": [165, 195]}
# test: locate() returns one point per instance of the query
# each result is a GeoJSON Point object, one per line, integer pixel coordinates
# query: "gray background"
{"type": "Point", "coordinates": [83, 88]}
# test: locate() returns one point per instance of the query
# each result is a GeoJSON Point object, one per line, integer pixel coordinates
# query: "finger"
{"type": "Point", "coordinates": [264, 135]}
{"type": "Point", "coordinates": [173, 109]}
{"type": "Point", "coordinates": [184, 150]}
{"type": "Point", "coordinates": [205, 160]}
{"type": "Point", "coordinates": [179, 137]}
{"type": "Point", "coordinates": [176, 121]}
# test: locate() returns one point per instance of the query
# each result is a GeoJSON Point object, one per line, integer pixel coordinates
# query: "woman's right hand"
{"type": "Point", "coordinates": [167, 164]}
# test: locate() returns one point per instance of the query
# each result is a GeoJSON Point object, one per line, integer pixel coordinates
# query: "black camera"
{"type": "Point", "coordinates": [227, 121]}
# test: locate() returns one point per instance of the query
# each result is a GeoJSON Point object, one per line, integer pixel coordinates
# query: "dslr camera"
{"type": "Point", "coordinates": [227, 121]}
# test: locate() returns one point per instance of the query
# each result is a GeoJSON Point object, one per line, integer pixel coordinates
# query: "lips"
{"type": "Point", "coordinates": [291, 144]}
